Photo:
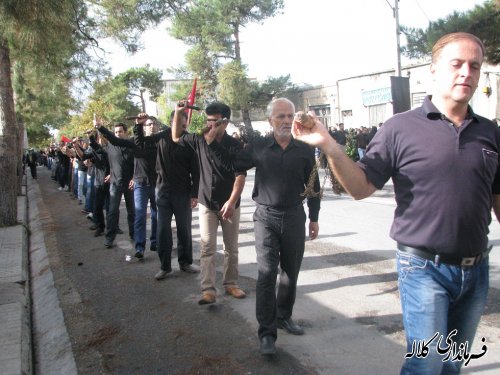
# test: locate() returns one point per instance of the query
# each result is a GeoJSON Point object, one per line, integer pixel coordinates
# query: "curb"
{"type": "Point", "coordinates": [53, 354]}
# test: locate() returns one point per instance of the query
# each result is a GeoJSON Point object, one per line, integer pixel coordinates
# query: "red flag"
{"type": "Point", "coordinates": [64, 139]}
{"type": "Point", "coordinates": [191, 99]}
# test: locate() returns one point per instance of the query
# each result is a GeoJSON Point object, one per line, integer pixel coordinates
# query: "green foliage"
{"type": "Point", "coordinates": [198, 121]}
{"type": "Point", "coordinates": [234, 85]}
{"type": "Point", "coordinates": [136, 79]}
{"type": "Point", "coordinates": [125, 20]}
{"type": "Point", "coordinates": [482, 21]}
{"type": "Point", "coordinates": [212, 28]}
{"type": "Point", "coordinates": [109, 102]}
{"type": "Point", "coordinates": [274, 87]}
{"type": "Point", "coordinates": [351, 145]}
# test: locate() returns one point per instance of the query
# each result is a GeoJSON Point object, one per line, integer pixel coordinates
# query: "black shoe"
{"type": "Point", "coordinates": [267, 345]}
{"type": "Point", "coordinates": [108, 243]}
{"type": "Point", "coordinates": [119, 231]}
{"type": "Point", "coordinates": [93, 227]}
{"type": "Point", "coordinates": [139, 254]}
{"type": "Point", "coordinates": [153, 247]}
{"type": "Point", "coordinates": [290, 326]}
{"type": "Point", "coordinates": [98, 232]}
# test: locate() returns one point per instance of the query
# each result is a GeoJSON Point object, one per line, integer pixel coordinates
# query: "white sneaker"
{"type": "Point", "coordinates": [59, 188]}
{"type": "Point", "coordinates": [160, 275]}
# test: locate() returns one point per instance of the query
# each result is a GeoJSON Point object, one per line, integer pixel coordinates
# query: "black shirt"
{"type": "Point", "coordinates": [121, 158]}
{"type": "Point", "coordinates": [340, 137]}
{"type": "Point", "coordinates": [444, 178]}
{"type": "Point", "coordinates": [281, 175]}
{"type": "Point", "coordinates": [144, 158]}
{"type": "Point", "coordinates": [176, 165]}
{"type": "Point", "coordinates": [216, 171]}
{"type": "Point", "coordinates": [99, 157]}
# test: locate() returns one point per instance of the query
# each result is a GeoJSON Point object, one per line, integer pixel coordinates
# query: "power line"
{"type": "Point", "coordinates": [422, 10]}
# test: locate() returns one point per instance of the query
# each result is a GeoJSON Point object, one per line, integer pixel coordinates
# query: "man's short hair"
{"type": "Point", "coordinates": [272, 103]}
{"type": "Point", "coordinates": [218, 108]}
{"type": "Point", "coordinates": [122, 125]}
{"type": "Point", "coordinates": [451, 38]}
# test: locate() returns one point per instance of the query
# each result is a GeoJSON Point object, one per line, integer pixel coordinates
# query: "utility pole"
{"type": "Point", "coordinates": [398, 32]}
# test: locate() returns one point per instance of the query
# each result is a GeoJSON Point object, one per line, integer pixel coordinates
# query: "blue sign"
{"type": "Point", "coordinates": [374, 97]}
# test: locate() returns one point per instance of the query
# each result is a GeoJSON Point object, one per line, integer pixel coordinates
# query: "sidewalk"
{"type": "Point", "coordinates": [15, 302]}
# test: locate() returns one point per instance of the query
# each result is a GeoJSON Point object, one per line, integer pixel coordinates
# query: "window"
{"type": "Point", "coordinates": [376, 114]}
{"type": "Point", "coordinates": [323, 113]}
{"type": "Point", "coordinates": [417, 98]}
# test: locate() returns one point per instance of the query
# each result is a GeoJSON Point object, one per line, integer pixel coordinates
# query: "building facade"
{"type": "Point", "coordinates": [366, 100]}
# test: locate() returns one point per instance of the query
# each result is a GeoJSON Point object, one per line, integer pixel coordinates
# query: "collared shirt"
{"type": "Point", "coordinates": [281, 176]}
{"type": "Point", "coordinates": [176, 165]}
{"type": "Point", "coordinates": [216, 172]}
{"type": "Point", "coordinates": [444, 177]}
{"type": "Point", "coordinates": [120, 157]}
{"type": "Point", "coordinates": [144, 164]}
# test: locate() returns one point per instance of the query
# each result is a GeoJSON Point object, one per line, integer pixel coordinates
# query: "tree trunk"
{"type": "Point", "coordinates": [245, 114]}
{"type": "Point", "coordinates": [8, 142]}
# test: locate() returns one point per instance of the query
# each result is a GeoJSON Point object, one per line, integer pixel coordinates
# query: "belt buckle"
{"type": "Point", "coordinates": [468, 261]}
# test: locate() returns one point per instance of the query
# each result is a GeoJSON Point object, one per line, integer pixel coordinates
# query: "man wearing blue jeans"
{"type": "Point", "coordinates": [443, 160]}
{"type": "Point", "coordinates": [143, 183]}
{"type": "Point", "coordinates": [144, 191]}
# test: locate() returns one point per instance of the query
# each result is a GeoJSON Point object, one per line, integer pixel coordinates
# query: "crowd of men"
{"type": "Point", "coordinates": [428, 152]}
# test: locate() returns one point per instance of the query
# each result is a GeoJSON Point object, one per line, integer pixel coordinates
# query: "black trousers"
{"type": "Point", "coordinates": [101, 201]}
{"type": "Point", "coordinates": [279, 242]}
{"type": "Point", "coordinates": [33, 170]}
{"type": "Point", "coordinates": [178, 204]}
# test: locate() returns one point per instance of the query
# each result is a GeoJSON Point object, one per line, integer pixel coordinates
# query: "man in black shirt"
{"type": "Point", "coordinates": [340, 135]}
{"type": "Point", "coordinates": [283, 168]}
{"type": "Point", "coordinates": [218, 195]}
{"type": "Point", "coordinates": [121, 162]}
{"type": "Point", "coordinates": [176, 194]}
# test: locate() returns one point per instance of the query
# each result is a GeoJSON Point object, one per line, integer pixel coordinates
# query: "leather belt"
{"type": "Point", "coordinates": [443, 258]}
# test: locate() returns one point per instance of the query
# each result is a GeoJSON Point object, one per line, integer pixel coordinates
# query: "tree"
{"type": "Point", "coordinates": [213, 27]}
{"type": "Point", "coordinates": [109, 101]}
{"type": "Point", "coordinates": [138, 80]}
{"type": "Point", "coordinates": [125, 20]}
{"type": "Point", "coordinates": [482, 21]}
{"type": "Point", "coordinates": [27, 29]}
{"type": "Point", "coordinates": [274, 87]}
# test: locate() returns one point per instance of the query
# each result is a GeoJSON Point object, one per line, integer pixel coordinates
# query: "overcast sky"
{"type": "Point", "coordinates": [316, 41]}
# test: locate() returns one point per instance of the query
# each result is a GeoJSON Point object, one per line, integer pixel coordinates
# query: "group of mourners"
{"type": "Point", "coordinates": [442, 158]}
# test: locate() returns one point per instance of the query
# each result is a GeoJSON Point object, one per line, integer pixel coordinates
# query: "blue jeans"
{"type": "Point", "coordinates": [82, 185]}
{"type": "Point", "coordinates": [75, 181]}
{"type": "Point", "coordinates": [143, 194]}
{"type": "Point", "coordinates": [90, 195]}
{"type": "Point", "coordinates": [439, 298]}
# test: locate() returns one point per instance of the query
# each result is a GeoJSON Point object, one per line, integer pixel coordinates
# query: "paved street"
{"type": "Point", "coordinates": [122, 321]}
